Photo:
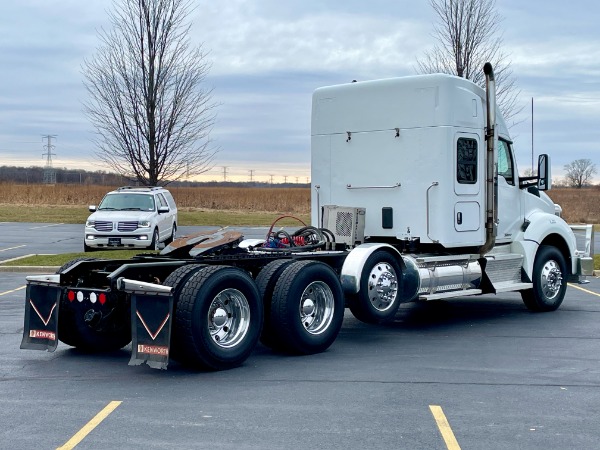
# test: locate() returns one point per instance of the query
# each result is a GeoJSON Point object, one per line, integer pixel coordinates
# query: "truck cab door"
{"type": "Point", "coordinates": [510, 211]}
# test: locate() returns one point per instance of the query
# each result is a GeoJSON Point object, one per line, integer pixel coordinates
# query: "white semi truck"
{"type": "Point", "coordinates": [416, 196]}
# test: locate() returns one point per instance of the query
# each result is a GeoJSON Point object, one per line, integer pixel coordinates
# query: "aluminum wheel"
{"type": "Point", "coordinates": [383, 286]}
{"type": "Point", "coordinates": [228, 318]}
{"type": "Point", "coordinates": [551, 279]}
{"type": "Point", "coordinates": [316, 307]}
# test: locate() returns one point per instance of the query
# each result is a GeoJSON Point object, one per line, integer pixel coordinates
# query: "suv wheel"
{"type": "Point", "coordinates": [155, 240]}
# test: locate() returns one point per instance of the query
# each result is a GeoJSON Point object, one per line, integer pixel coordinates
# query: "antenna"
{"type": "Point", "coordinates": [532, 136]}
{"type": "Point", "coordinates": [49, 173]}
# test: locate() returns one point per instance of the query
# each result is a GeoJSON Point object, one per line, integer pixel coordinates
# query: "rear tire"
{"type": "Point", "coordinates": [307, 308]}
{"type": "Point", "coordinates": [218, 319]}
{"type": "Point", "coordinates": [68, 264]}
{"type": "Point", "coordinates": [265, 281]}
{"type": "Point", "coordinates": [549, 288]}
{"type": "Point", "coordinates": [177, 279]}
{"type": "Point", "coordinates": [378, 298]}
{"type": "Point", "coordinates": [173, 234]}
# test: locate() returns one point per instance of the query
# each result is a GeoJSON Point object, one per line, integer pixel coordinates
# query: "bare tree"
{"type": "Point", "coordinates": [580, 172]}
{"type": "Point", "coordinates": [147, 103]}
{"type": "Point", "coordinates": [468, 35]}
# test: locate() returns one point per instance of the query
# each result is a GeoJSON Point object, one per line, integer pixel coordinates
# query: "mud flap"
{"type": "Point", "coordinates": [151, 317]}
{"type": "Point", "coordinates": [40, 329]}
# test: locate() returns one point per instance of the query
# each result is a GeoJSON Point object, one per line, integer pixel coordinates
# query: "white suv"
{"type": "Point", "coordinates": [131, 217]}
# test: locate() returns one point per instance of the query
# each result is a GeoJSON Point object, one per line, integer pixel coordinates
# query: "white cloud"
{"type": "Point", "coordinates": [268, 56]}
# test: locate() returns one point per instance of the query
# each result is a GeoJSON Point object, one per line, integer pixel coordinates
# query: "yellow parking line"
{"type": "Point", "coordinates": [14, 290]}
{"type": "Point", "coordinates": [584, 290]}
{"type": "Point", "coordinates": [444, 427]}
{"type": "Point", "coordinates": [81, 434]}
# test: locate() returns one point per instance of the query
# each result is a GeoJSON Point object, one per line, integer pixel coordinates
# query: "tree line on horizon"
{"type": "Point", "coordinates": [35, 175]}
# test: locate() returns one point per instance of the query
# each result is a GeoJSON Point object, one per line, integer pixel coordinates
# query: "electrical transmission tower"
{"type": "Point", "coordinates": [49, 172]}
{"type": "Point", "coordinates": [225, 173]}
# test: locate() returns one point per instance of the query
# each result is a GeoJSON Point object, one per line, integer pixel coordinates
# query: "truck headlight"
{"type": "Point", "coordinates": [144, 224]}
{"type": "Point", "coordinates": [90, 223]}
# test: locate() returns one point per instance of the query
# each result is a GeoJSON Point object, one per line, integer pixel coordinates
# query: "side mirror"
{"type": "Point", "coordinates": [163, 209]}
{"type": "Point", "coordinates": [545, 178]}
{"type": "Point", "coordinates": [92, 208]}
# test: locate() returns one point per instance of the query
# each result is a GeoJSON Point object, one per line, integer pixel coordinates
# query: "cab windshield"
{"type": "Point", "coordinates": [127, 202]}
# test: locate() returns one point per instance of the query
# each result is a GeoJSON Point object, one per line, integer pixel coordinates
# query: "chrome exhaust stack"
{"type": "Point", "coordinates": [491, 174]}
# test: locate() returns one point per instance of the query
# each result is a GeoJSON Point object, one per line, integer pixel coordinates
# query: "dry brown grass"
{"type": "Point", "coordinates": [579, 205]}
{"type": "Point", "coordinates": [288, 200]}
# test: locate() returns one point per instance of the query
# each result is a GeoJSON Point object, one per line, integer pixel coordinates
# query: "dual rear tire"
{"type": "Point", "coordinates": [218, 316]}
{"type": "Point", "coordinates": [305, 306]}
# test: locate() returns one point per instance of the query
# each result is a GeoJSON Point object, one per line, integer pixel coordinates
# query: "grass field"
{"type": "Point", "coordinates": [197, 206]}
{"type": "Point", "coordinates": [187, 216]}
{"type": "Point", "coordinates": [218, 206]}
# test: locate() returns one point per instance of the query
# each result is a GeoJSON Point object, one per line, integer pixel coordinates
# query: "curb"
{"type": "Point", "coordinates": [29, 269]}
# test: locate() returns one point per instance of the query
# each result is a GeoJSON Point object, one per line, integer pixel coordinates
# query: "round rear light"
{"type": "Point", "coordinates": [71, 296]}
{"type": "Point", "coordinates": [102, 298]}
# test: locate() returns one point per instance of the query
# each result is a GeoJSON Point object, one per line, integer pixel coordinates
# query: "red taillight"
{"type": "Point", "coordinates": [102, 299]}
{"type": "Point", "coordinates": [71, 296]}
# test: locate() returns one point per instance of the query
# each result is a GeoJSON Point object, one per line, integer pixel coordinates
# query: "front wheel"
{"type": "Point", "coordinates": [549, 286]}
{"type": "Point", "coordinates": [307, 308]}
{"type": "Point", "coordinates": [155, 240]}
{"type": "Point", "coordinates": [377, 299]}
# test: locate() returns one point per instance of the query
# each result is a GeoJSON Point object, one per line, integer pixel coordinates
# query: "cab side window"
{"type": "Point", "coordinates": [505, 164]}
{"type": "Point", "coordinates": [466, 161]}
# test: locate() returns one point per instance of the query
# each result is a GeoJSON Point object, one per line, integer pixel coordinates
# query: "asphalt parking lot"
{"type": "Point", "coordinates": [472, 373]}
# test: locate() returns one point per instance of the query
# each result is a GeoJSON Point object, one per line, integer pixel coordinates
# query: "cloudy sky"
{"type": "Point", "coordinates": [268, 56]}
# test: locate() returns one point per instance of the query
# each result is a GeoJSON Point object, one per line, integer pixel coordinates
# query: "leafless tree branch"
{"type": "Point", "coordinates": [147, 103]}
{"type": "Point", "coordinates": [579, 173]}
{"type": "Point", "coordinates": [467, 36]}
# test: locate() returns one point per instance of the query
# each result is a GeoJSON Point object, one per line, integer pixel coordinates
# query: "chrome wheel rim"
{"type": "Point", "coordinates": [383, 286]}
{"type": "Point", "coordinates": [316, 307]}
{"type": "Point", "coordinates": [228, 318]}
{"type": "Point", "coordinates": [551, 279]}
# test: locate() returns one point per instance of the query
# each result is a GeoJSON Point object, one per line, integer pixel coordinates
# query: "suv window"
{"type": "Point", "coordinates": [127, 202]}
{"type": "Point", "coordinates": [170, 199]}
{"type": "Point", "coordinates": [162, 201]}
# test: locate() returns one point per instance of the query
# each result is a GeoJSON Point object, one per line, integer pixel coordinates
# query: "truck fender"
{"type": "Point", "coordinates": [545, 228]}
{"type": "Point", "coordinates": [355, 261]}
